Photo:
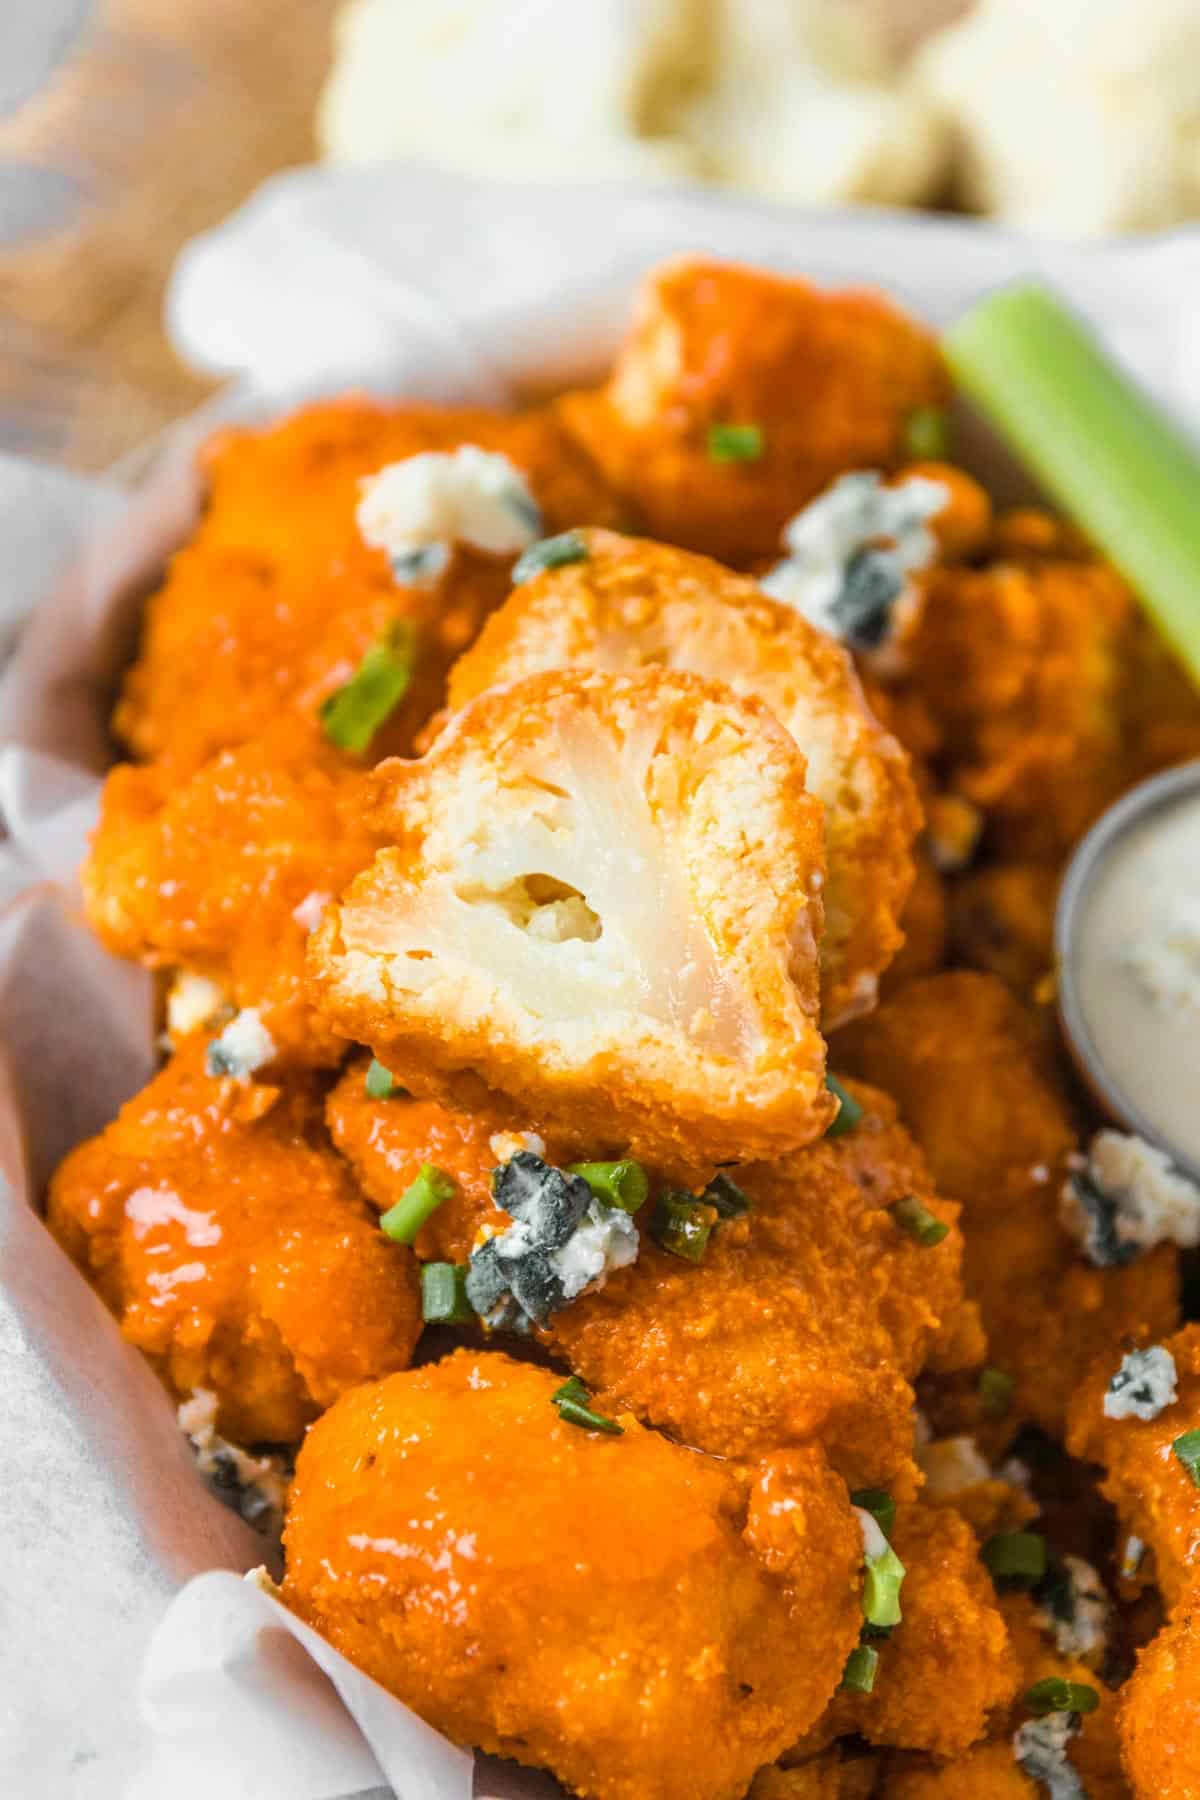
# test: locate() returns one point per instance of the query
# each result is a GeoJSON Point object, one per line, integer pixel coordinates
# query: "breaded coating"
{"type": "Point", "coordinates": [226, 873]}
{"type": "Point", "coordinates": [923, 923]}
{"type": "Point", "coordinates": [830, 1776]}
{"type": "Point", "coordinates": [988, 1772]}
{"type": "Point", "coordinates": [803, 1324]}
{"type": "Point", "coordinates": [601, 899]}
{"type": "Point", "coordinates": [1160, 1709]}
{"type": "Point", "coordinates": [1002, 921]}
{"type": "Point", "coordinates": [948, 1666]}
{"type": "Point", "coordinates": [1050, 693]}
{"type": "Point", "coordinates": [1155, 1496]}
{"type": "Point", "coordinates": [830, 381]}
{"type": "Point", "coordinates": [229, 1239]}
{"type": "Point", "coordinates": [630, 603]}
{"type": "Point", "coordinates": [276, 597]}
{"type": "Point", "coordinates": [630, 1615]}
{"type": "Point", "coordinates": [963, 1061]}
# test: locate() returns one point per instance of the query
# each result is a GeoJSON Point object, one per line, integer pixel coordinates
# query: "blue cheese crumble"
{"type": "Point", "coordinates": [253, 1485]}
{"type": "Point", "coordinates": [850, 553]}
{"type": "Point", "coordinates": [1074, 1610]}
{"type": "Point", "coordinates": [244, 1046]}
{"type": "Point", "coordinates": [1143, 1386]}
{"type": "Point", "coordinates": [1126, 1197]}
{"type": "Point", "coordinates": [418, 509]}
{"type": "Point", "coordinates": [562, 1240]}
{"type": "Point", "coordinates": [194, 1001]}
{"type": "Point", "coordinates": [1040, 1747]}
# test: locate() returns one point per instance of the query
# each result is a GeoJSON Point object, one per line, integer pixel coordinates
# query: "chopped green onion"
{"type": "Point", "coordinates": [1187, 1449]}
{"type": "Point", "coordinates": [879, 1504]}
{"type": "Point", "coordinates": [683, 1225]}
{"type": "Point", "coordinates": [1016, 1558]}
{"type": "Point", "coordinates": [858, 1677]}
{"type": "Point", "coordinates": [927, 434]}
{"type": "Point", "coordinates": [918, 1221]}
{"type": "Point", "coordinates": [571, 1399]}
{"type": "Point", "coordinates": [624, 1184]}
{"type": "Point", "coordinates": [381, 1084]}
{"type": "Point", "coordinates": [848, 1114]}
{"type": "Point", "coordinates": [444, 1294]}
{"type": "Point", "coordinates": [1113, 460]}
{"type": "Point", "coordinates": [403, 1221]}
{"type": "Point", "coordinates": [1056, 1695]}
{"type": "Point", "coordinates": [352, 714]}
{"type": "Point", "coordinates": [550, 553]}
{"type": "Point", "coordinates": [996, 1392]}
{"type": "Point", "coordinates": [735, 443]}
{"type": "Point", "coordinates": [726, 1196]}
{"type": "Point", "coordinates": [881, 1589]}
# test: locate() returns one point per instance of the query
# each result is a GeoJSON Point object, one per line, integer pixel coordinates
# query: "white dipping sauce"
{"type": "Point", "coordinates": [1136, 966]}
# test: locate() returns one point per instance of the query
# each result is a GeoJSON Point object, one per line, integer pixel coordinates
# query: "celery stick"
{"type": "Point", "coordinates": [1112, 460]}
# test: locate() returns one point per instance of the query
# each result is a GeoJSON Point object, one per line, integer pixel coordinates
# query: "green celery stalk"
{"type": "Point", "coordinates": [1113, 461]}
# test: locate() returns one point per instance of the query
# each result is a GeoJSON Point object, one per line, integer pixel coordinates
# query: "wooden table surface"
{"type": "Point", "coordinates": [125, 127]}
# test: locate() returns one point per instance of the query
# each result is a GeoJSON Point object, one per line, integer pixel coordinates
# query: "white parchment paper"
{"type": "Point", "coordinates": [128, 1668]}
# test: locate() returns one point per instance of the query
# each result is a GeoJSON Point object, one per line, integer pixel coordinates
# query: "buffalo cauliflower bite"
{"type": "Point", "coordinates": [282, 588]}
{"type": "Point", "coordinates": [1149, 1483]}
{"type": "Point", "coordinates": [1160, 1708]}
{"type": "Point", "coordinates": [962, 1059]}
{"type": "Point", "coordinates": [625, 603]}
{"type": "Point", "coordinates": [601, 900]}
{"type": "Point", "coordinates": [229, 1239]}
{"type": "Point", "coordinates": [804, 1322]}
{"type": "Point", "coordinates": [227, 873]}
{"type": "Point", "coordinates": [739, 395]}
{"type": "Point", "coordinates": [594, 1603]}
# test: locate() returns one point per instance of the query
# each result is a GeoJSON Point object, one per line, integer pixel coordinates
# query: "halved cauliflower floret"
{"type": "Point", "coordinates": [625, 602]}
{"type": "Point", "coordinates": [602, 900]}
{"type": "Point", "coordinates": [740, 394]}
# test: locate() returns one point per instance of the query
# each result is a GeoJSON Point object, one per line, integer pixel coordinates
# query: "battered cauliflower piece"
{"type": "Point", "coordinates": [602, 901]}
{"type": "Point", "coordinates": [625, 603]}
{"type": "Point", "coordinates": [278, 594]}
{"type": "Point", "coordinates": [1156, 1497]}
{"type": "Point", "coordinates": [1002, 921]}
{"type": "Point", "coordinates": [219, 1225]}
{"type": "Point", "coordinates": [805, 1321]}
{"type": "Point", "coordinates": [578, 1600]}
{"type": "Point", "coordinates": [830, 1776]}
{"type": "Point", "coordinates": [1160, 1709]}
{"type": "Point", "coordinates": [923, 923]}
{"type": "Point", "coordinates": [227, 873]}
{"type": "Point", "coordinates": [822, 382]}
{"type": "Point", "coordinates": [950, 1621]}
{"type": "Point", "coordinates": [962, 1059]}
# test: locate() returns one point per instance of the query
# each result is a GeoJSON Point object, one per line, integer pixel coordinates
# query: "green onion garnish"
{"type": "Point", "coordinates": [1187, 1449]}
{"type": "Point", "coordinates": [381, 1084]}
{"type": "Point", "coordinates": [352, 715]}
{"type": "Point", "coordinates": [726, 1196]}
{"type": "Point", "coordinates": [927, 434]}
{"type": "Point", "coordinates": [1015, 1558]}
{"type": "Point", "coordinates": [735, 443]}
{"type": "Point", "coordinates": [1056, 1695]}
{"type": "Point", "coordinates": [550, 553]}
{"type": "Point", "coordinates": [858, 1677]}
{"type": "Point", "coordinates": [444, 1294]}
{"type": "Point", "coordinates": [996, 1392]}
{"type": "Point", "coordinates": [849, 1113]}
{"type": "Point", "coordinates": [624, 1184]}
{"type": "Point", "coordinates": [918, 1221]}
{"type": "Point", "coordinates": [683, 1225]}
{"type": "Point", "coordinates": [571, 1399]}
{"type": "Point", "coordinates": [1123, 471]}
{"type": "Point", "coordinates": [879, 1504]}
{"type": "Point", "coordinates": [881, 1589]}
{"type": "Point", "coordinates": [403, 1221]}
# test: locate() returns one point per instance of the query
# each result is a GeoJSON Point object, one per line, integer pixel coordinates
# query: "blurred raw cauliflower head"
{"type": "Point", "coordinates": [804, 99]}
{"type": "Point", "coordinates": [603, 902]}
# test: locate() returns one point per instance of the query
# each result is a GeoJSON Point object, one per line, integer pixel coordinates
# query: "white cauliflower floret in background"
{"type": "Point", "coordinates": [604, 904]}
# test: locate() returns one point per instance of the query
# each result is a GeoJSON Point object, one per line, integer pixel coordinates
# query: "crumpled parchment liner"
{"type": "Point", "coordinates": [409, 282]}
